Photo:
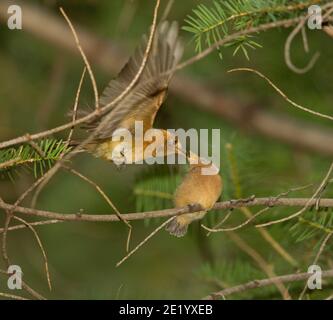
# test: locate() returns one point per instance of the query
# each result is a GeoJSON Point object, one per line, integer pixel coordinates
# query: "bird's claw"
{"type": "Point", "coordinates": [194, 207]}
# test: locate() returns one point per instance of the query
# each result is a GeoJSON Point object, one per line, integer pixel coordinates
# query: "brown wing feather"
{"type": "Point", "coordinates": [145, 111]}
{"type": "Point", "coordinates": [145, 99]}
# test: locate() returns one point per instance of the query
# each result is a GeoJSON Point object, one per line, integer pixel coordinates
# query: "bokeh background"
{"type": "Point", "coordinates": [38, 85]}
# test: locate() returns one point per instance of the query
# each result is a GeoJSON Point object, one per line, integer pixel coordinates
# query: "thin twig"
{"type": "Point", "coordinates": [97, 187]}
{"type": "Point", "coordinates": [144, 241]}
{"type": "Point", "coordinates": [227, 216]}
{"type": "Point", "coordinates": [328, 30]}
{"type": "Point", "coordinates": [35, 146]}
{"type": "Point", "coordinates": [330, 297]}
{"type": "Point", "coordinates": [320, 251]}
{"type": "Point", "coordinates": [9, 163]}
{"type": "Point", "coordinates": [9, 214]}
{"type": "Point", "coordinates": [37, 223]}
{"type": "Point", "coordinates": [76, 103]}
{"type": "Point", "coordinates": [29, 190]}
{"type": "Point", "coordinates": [12, 296]}
{"type": "Point", "coordinates": [4, 239]}
{"type": "Point", "coordinates": [41, 248]}
{"type": "Point", "coordinates": [84, 57]}
{"type": "Point", "coordinates": [238, 226]}
{"type": "Point", "coordinates": [287, 46]}
{"type": "Point", "coordinates": [308, 203]}
{"type": "Point", "coordinates": [107, 199]}
{"type": "Point", "coordinates": [282, 93]}
{"type": "Point", "coordinates": [305, 40]}
{"type": "Point", "coordinates": [32, 292]}
{"type": "Point", "coordinates": [263, 283]}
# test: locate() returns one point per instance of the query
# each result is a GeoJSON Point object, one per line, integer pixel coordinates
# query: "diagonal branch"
{"type": "Point", "coordinates": [308, 204]}
{"type": "Point", "coordinates": [84, 57]}
{"type": "Point", "coordinates": [263, 283]}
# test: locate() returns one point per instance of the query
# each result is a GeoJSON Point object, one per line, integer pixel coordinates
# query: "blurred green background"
{"type": "Point", "coordinates": [38, 86]}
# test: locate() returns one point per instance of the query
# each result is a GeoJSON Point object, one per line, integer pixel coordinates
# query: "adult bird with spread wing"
{"type": "Point", "coordinates": [142, 102]}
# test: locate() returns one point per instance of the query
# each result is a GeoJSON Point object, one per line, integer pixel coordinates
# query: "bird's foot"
{"type": "Point", "coordinates": [194, 207]}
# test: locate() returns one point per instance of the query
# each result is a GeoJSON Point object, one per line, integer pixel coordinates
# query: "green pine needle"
{"type": "Point", "coordinates": [312, 224]}
{"type": "Point", "coordinates": [25, 156]}
{"type": "Point", "coordinates": [209, 25]}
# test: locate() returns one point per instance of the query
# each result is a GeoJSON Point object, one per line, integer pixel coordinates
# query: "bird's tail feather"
{"type": "Point", "coordinates": [178, 226]}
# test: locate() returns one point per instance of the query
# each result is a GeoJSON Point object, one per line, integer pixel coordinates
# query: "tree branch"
{"type": "Point", "coordinates": [251, 202]}
{"type": "Point", "coordinates": [263, 283]}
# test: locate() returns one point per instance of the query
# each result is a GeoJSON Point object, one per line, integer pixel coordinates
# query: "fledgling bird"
{"type": "Point", "coordinates": [143, 101]}
{"type": "Point", "coordinates": [197, 189]}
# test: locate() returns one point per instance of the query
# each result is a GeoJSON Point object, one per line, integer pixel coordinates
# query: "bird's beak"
{"type": "Point", "coordinates": [193, 158]}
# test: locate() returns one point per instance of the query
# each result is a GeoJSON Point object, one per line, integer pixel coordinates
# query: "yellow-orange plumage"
{"type": "Point", "coordinates": [196, 189]}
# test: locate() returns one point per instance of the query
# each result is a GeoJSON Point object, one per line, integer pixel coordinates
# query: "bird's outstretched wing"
{"type": "Point", "coordinates": [144, 100]}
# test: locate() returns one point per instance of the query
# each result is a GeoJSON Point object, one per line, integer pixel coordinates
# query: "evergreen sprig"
{"type": "Point", "coordinates": [211, 24]}
{"type": "Point", "coordinates": [26, 156]}
{"type": "Point", "coordinates": [313, 224]}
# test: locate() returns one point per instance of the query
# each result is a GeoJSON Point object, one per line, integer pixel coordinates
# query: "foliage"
{"type": "Point", "coordinates": [39, 159]}
{"type": "Point", "coordinates": [313, 224]}
{"type": "Point", "coordinates": [211, 24]}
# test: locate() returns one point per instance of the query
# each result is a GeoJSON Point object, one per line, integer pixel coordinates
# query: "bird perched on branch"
{"type": "Point", "coordinates": [198, 190]}
{"type": "Point", "coordinates": [143, 101]}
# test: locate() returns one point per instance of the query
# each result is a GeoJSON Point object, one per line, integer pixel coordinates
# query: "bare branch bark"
{"type": "Point", "coordinates": [288, 202]}
{"type": "Point", "coordinates": [263, 283]}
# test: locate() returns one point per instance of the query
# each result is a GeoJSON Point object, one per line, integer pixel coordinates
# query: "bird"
{"type": "Point", "coordinates": [197, 190]}
{"type": "Point", "coordinates": [141, 104]}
